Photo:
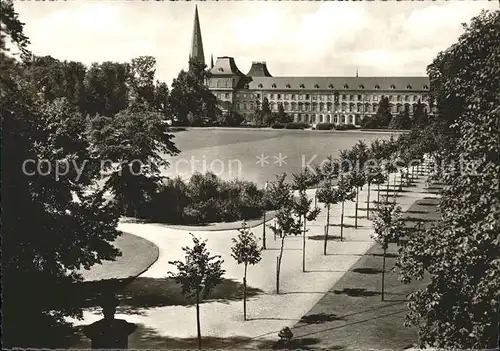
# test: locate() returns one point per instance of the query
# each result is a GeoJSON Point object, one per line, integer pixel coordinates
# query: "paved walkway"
{"type": "Point", "coordinates": [267, 312]}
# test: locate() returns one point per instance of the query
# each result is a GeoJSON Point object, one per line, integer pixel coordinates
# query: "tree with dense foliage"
{"type": "Point", "coordinates": [459, 307]}
{"type": "Point", "coordinates": [46, 235]}
{"type": "Point", "coordinates": [133, 143]}
{"type": "Point", "coordinates": [382, 118]}
{"type": "Point", "coordinates": [401, 120]}
{"type": "Point", "coordinates": [190, 95]}
{"type": "Point", "coordinates": [389, 228]}
{"type": "Point", "coordinates": [198, 275]}
{"type": "Point", "coordinates": [303, 207]}
{"type": "Point", "coordinates": [245, 250]}
{"type": "Point", "coordinates": [282, 116]}
{"type": "Point", "coordinates": [265, 112]}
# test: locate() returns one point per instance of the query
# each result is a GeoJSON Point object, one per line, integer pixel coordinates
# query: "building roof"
{"type": "Point", "coordinates": [225, 66]}
{"type": "Point", "coordinates": [259, 69]}
{"type": "Point", "coordinates": [339, 83]}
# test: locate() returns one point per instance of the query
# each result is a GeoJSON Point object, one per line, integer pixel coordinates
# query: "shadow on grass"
{"type": "Point", "coordinates": [320, 318]}
{"type": "Point", "coordinates": [430, 204]}
{"type": "Point", "coordinates": [345, 225]}
{"type": "Point", "coordinates": [359, 217]}
{"type": "Point", "coordinates": [322, 237]}
{"type": "Point", "coordinates": [416, 219]}
{"type": "Point", "coordinates": [417, 211]}
{"type": "Point", "coordinates": [137, 295]}
{"type": "Point", "coordinates": [356, 292]}
{"type": "Point", "coordinates": [367, 270]}
{"type": "Point", "coordinates": [148, 338]}
{"type": "Point", "coordinates": [387, 255]}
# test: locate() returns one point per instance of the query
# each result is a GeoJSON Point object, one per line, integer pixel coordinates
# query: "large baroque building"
{"type": "Point", "coordinates": [339, 100]}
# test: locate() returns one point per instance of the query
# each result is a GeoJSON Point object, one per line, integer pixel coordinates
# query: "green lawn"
{"type": "Point", "coordinates": [138, 255]}
{"type": "Point", "coordinates": [232, 153]}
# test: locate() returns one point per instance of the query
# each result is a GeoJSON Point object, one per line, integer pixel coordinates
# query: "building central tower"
{"type": "Point", "coordinates": [197, 55]}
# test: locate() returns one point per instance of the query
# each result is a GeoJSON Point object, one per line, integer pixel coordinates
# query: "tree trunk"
{"type": "Point", "coordinates": [395, 181]}
{"type": "Point", "coordinates": [264, 231]}
{"type": "Point", "coordinates": [356, 209]}
{"type": "Point", "coordinates": [342, 223]}
{"type": "Point", "coordinates": [304, 247]}
{"type": "Point", "coordinates": [378, 194]}
{"type": "Point", "coordinates": [383, 273]}
{"type": "Point", "coordinates": [278, 264]}
{"type": "Point", "coordinates": [327, 228]}
{"type": "Point", "coordinates": [368, 203]}
{"type": "Point", "coordinates": [388, 181]}
{"type": "Point", "coordinates": [198, 326]}
{"type": "Point", "coordinates": [245, 293]}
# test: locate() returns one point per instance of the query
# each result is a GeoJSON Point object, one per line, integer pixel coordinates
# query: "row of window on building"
{"type": "Point", "coordinates": [328, 107]}
{"type": "Point", "coordinates": [343, 97]}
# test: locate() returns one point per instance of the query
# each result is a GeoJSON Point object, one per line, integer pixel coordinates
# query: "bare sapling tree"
{"type": "Point", "coordinates": [245, 250]}
{"type": "Point", "coordinates": [198, 275]}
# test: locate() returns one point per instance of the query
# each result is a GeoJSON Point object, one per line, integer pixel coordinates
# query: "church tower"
{"type": "Point", "coordinates": [196, 54]}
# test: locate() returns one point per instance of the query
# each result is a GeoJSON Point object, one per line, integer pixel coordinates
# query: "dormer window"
{"type": "Point", "coordinates": [288, 86]}
{"type": "Point", "coordinates": [408, 87]}
{"type": "Point", "coordinates": [426, 87]}
{"type": "Point", "coordinates": [346, 86]}
{"type": "Point", "coordinates": [221, 69]}
{"type": "Point", "coordinates": [260, 85]}
{"type": "Point", "coordinates": [274, 85]}
{"type": "Point", "coordinates": [330, 86]}
{"type": "Point", "coordinates": [393, 86]}
{"type": "Point", "coordinates": [377, 86]}
{"type": "Point", "coordinates": [302, 86]}
{"type": "Point", "coordinates": [361, 86]}
{"type": "Point", "coordinates": [316, 86]}
{"type": "Point", "coordinates": [247, 86]}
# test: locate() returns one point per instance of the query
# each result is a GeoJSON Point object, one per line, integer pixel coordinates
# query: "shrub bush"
{"type": "Point", "coordinates": [278, 126]}
{"type": "Point", "coordinates": [341, 127]}
{"type": "Point", "coordinates": [204, 199]}
{"type": "Point", "coordinates": [325, 126]}
{"type": "Point", "coordinates": [297, 125]}
{"type": "Point", "coordinates": [350, 126]}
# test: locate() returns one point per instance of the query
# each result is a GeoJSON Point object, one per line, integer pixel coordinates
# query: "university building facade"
{"type": "Point", "coordinates": [338, 100]}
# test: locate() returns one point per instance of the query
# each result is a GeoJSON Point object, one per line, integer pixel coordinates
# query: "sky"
{"type": "Point", "coordinates": [306, 38]}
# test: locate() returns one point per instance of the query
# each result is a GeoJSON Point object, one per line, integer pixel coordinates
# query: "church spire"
{"type": "Point", "coordinates": [197, 53]}
{"type": "Point", "coordinates": [357, 73]}
{"type": "Point", "coordinates": [212, 61]}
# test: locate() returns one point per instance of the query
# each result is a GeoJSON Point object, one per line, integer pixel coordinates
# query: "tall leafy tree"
{"type": "Point", "coordinates": [245, 250]}
{"type": "Point", "coordinates": [142, 80]}
{"type": "Point", "coordinates": [459, 307]}
{"type": "Point", "coordinates": [401, 120]}
{"type": "Point", "coordinates": [265, 112]}
{"type": "Point", "coordinates": [382, 118]}
{"type": "Point", "coordinates": [46, 235]}
{"type": "Point", "coordinates": [190, 95]}
{"type": "Point", "coordinates": [326, 195]}
{"type": "Point", "coordinates": [106, 88]}
{"type": "Point", "coordinates": [198, 275]}
{"type": "Point", "coordinates": [133, 143]}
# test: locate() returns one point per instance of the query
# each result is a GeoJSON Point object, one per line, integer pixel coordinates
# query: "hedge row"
{"type": "Point", "coordinates": [205, 198]}
{"type": "Point", "coordinates": [291, 125]}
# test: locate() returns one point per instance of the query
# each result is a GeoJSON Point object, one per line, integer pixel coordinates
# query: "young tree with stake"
{"type": "Point", "coordinates": [198, 275]}
{"type": "Point", "coordinates": [246, 251]}
{"type": "Point", "coordinates": [343, 192]}
{"type": "Point", "coordinates": [389, 227]}
{"type": "Point", "coordinates": [326, 195]}
{"type": "Point", "coordinates": [303, 208]}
